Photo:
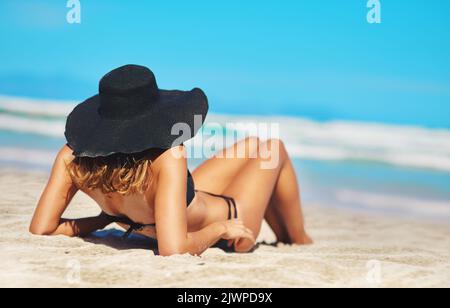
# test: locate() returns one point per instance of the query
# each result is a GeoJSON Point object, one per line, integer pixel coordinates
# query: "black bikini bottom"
{"type": "Point", "coordinates": [232, 208]}
{"type": "Point", "coordinates": [133, 226]}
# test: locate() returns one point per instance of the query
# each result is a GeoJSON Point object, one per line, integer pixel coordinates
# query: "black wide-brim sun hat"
{"type": "Point", "coordinates": [131, 114]}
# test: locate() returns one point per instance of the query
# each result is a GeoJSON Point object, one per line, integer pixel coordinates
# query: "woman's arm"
{"type": "Point", "coordinates": [171, 213]}
{"type": "Point", "coordinates": [54, 200]}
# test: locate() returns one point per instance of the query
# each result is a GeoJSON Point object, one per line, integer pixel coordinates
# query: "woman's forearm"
{"type": "Point", "coordinates": [198, 242]}
{"type": "Point", "coordinates": [80, 227]}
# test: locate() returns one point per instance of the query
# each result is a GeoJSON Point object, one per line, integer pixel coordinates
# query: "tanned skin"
{"type": "Point", "coordinates": [260, 193]}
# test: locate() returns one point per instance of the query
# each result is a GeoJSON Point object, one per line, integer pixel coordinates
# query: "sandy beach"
{"type": "Point", "coordinates": [351, 250]}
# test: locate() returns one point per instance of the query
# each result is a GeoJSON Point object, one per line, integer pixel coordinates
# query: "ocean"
{"type": "Point", "coordinates": [391, 169]}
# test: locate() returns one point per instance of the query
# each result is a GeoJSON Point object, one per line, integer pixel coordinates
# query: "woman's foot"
{"type": "Point", "coordinates": [304, 239]}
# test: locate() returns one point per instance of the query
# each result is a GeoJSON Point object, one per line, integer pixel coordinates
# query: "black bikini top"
{"type": "Point", "coordinates": [190, 195]}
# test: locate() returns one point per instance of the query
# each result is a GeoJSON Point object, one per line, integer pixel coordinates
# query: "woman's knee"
{"type": "Point", "coordinates": [41, 229]}
{"type": "Point", "coordinates": [273, 153]}
{"type": "Point", "coordinates": [252, 144]}
{"type": "Point", "coordinates": [247, 148]}
{"type": "Point", "coordinates": [277, 144]}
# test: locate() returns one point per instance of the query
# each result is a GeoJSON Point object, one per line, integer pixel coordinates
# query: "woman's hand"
{"type": "Point", "coordinates": [236, 230]}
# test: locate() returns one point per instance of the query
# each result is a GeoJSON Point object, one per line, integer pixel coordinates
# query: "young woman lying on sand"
{"type": "Point", "coordinates": [122, 153]}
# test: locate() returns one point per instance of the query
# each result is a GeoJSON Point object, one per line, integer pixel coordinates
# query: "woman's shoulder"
{"type": "Point", "coordinates": [172, 159]}
{"type": "Point", "coordinates": [65, 153]}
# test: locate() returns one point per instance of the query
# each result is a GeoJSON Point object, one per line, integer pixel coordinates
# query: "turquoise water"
{"type": "Point", "coordinates": [312, 61]}
{"type": "Point", "coordinates": [377, 178]}
{"type": "Point", "coordinates": [356, 185]}
{"type": "Point", "coordinates": [321, 183]}
{"type": "Point", "coordinates": [304, 58]}
{"type": "Point", "coordinates": [328, 172]}
{"type": "Point", "coordinates": [24, 140]}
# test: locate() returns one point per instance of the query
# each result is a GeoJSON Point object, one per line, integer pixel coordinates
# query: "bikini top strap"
{"type": "Point", "coordinates": [126, 221]}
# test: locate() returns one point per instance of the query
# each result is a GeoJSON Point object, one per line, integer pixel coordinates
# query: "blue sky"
{"type": "Point", "coordinates": [311, 58]}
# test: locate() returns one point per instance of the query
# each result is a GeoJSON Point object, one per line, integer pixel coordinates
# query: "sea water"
{"type": "Point", "coordinates": [372, 167]}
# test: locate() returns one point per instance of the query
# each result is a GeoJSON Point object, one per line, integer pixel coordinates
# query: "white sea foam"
{"type": "Point", "coordinates": [34, 107]}
{"type": "Point", "coordinates": [31, 126]}
{"type": "Point", "coordinates": [28, 156]}
{"type": "Point", "coordinates": [406, 146]}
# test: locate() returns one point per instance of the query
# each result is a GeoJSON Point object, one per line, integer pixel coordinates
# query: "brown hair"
{"type": "Point", "coordinates": [119, 173]}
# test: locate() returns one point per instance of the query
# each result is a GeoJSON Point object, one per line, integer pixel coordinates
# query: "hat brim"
{"type": "Point", "coordinates": [90, 135]}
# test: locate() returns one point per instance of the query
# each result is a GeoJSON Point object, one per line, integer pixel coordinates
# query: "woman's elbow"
{"type": "Point", "coordinates": [172, 252]}
{"type": "Point", "coordinates": [37, 231]}
{"type": "Point", "coordinates": [40, 229]}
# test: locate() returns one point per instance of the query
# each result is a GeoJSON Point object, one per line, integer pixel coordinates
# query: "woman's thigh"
{"type": "Point", "coordinates": [216, 174]}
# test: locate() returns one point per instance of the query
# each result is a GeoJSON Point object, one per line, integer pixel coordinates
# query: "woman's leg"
{"type": "Point", "coordinates": [286, 203]}
{"type": "Point", "coordinates": [217, 173]}
{"type": "Point", "coordinates": [273, 218]}
{"type": "Point", "coordinates": [254, 188]}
